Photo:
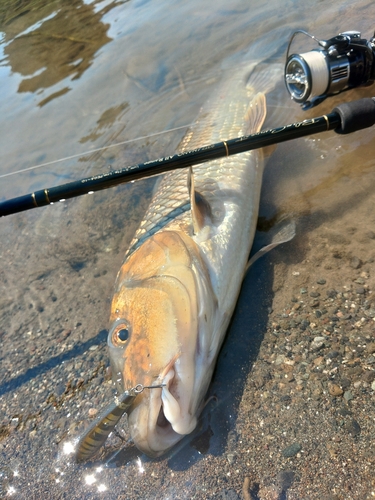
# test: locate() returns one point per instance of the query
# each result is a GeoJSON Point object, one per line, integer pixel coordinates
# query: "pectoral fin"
{"type": "Point", "coordinates": [200, 208]}
{"type": "Point", "coordinates": [284, 233]}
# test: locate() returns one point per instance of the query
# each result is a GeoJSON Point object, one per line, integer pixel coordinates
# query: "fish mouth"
{"type": "Point", "coordinates": [153, 418]}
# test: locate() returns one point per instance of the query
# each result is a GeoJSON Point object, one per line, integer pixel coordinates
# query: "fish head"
{"type": "Point", "coordinates": [154, 338]}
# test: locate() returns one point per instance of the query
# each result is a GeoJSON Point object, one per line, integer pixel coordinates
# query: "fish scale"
{"type": "Point", "coordinates": [177, 288]}
{"type": "Point", "coordinates": [226, 184]}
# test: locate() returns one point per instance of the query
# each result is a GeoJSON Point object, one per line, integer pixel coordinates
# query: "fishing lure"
{"type": "Point", "coordinates": [97, 433]}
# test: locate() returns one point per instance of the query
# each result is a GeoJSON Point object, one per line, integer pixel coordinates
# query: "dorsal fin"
{"type": "Point", "coordinates": [200, 208]}
{"type": "Point", "coordinates": [256, 114]}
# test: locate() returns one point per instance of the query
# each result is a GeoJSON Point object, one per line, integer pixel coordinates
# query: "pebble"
{"type": "Point", "coordinates": [321, 281]}
{"type": "Point", "coordinates": [344, 383]}
{"type": "Point", "coordinates": [304, 324]}
{"type": "Point", "coordinates": [93, 412]}
{"type": "Point", "coordinates": [348, 396]}
{"type": "Point", "coordinates": [292, 450]}
{"type": "Point", "coordinates": [59, 389]}
{"type": "Point", "coordinates": [360, 281]}
{"type": "Point", "coordinates": [373, 386]}
{"type": "Point", "coordinates": [285, 479]}
{"type": "Point", "coordinates": [333, 354]}
{"type": "Point", "coordinates": [280, 358]}
{"type": "Point", "coordinates": [229, 495]}
{"type": "Point", "coordinates": [355, 263]}
{"type": "Point", "coordinates": [368, 376]}
{"type": "Point", "coordinates": [318, 361]}
{"type": "Point", "coordinates": [66, 333]}
{"type": "Point", "coordinates": [353, 427]}
{"type": "Point", "coordinates": [317, 343]}
{"type": "Point", "coordinates": [335, 390]}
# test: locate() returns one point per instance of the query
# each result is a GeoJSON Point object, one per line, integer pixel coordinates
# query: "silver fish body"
{"type": "Point", "coordinates": [179, 284]}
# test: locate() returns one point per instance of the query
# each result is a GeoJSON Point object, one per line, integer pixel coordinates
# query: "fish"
{"type": "Point", "coordinates": [178, 286]}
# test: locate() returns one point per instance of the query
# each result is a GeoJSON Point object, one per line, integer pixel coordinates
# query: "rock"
{"type": "Point", "coordinates": [333, 354]}
{"type": "Point", "coordinates": [292, 450]}
{"type": "Point", "coordinates": [335, 390]}
{"type": "Point", "coordinates": [304, 324]}
{"type": "Point", "coordinates": [355, 263]}
{"type": "Point", "coordinates": [344, 411]}
{"type": "Point", "coordinates": [318, 361]}
{"type": "Point", "coordinates": [317, 343]}
{"type": "Point", "coordinates": [348, 396]}
{"type": "Point", "coordinates": [355, 371]}
{"type": "Point", "coordinates": [229, 495]}
{"type": "Point", "coordinates": [353, 427]}
{"type": "Point", "coordinates": [285, 479]}
{"type": "Point", "coordinates": [344, 383]}
{"type": "Point", "coordinates": [279, 359]}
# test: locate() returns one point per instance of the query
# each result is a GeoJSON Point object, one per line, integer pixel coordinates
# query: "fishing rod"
{"type": "Point", "coordinates": [344, 119]}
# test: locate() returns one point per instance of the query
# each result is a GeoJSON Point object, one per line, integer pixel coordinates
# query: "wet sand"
{"type": "Point", "coordinates": [293, 408]}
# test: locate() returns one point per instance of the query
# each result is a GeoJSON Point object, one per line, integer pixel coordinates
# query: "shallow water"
{"type": "Point", "coordinates": [80, 76]}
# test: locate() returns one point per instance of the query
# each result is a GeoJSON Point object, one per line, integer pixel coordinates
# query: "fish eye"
{"type": "Point", "coordinates": [120, 333]}
{"type": "Point", "coordinates": [123, 334]}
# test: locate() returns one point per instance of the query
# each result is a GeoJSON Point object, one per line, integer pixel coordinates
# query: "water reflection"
{"type": "Point", "coordinates": [106, 120]}
{"type": "Point", "coordinates": [49, 44]}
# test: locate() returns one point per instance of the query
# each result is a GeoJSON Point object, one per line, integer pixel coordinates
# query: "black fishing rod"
{"type": "Point", "coordinates": [344, 119]}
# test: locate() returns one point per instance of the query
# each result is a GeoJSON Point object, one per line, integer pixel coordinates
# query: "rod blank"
{"type": "Point", "coordinates": [345, 118]}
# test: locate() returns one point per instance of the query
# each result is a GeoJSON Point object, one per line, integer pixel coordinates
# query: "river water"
{"type": "Point", "coordinates": [87, 87]}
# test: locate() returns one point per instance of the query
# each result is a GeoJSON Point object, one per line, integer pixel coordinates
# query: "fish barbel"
{"type": "Point", "coordinates": [178, 286]}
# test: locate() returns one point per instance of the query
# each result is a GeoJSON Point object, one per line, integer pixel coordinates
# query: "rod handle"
{"type": "Point", "coordinates": [355, 115]}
